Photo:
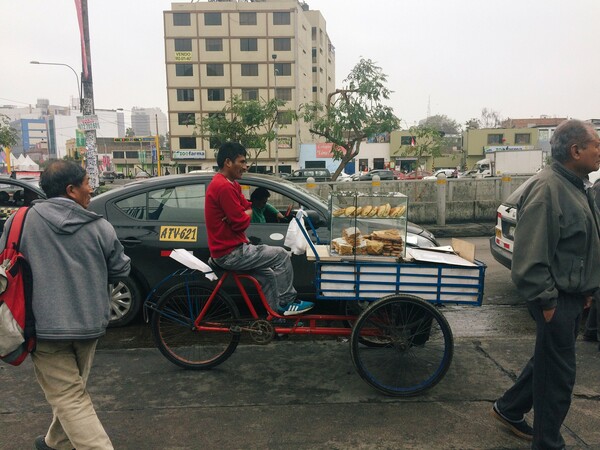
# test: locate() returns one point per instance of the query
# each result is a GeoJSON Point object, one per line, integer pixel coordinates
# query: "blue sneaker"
{"type": "Point", "coordinates": [296, 307]}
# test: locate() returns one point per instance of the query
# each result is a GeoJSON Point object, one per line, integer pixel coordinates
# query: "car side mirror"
{"type": "Point", "coordinates": [316, 219]}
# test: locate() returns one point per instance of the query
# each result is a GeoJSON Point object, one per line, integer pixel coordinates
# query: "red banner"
{"type": "Point", "coordinates": [324, 150]}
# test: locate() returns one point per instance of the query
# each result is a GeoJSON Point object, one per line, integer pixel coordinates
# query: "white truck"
{"type": "Point", "coordinates": [510, 161]}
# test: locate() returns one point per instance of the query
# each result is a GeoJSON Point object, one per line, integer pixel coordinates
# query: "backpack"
{"type": "Point", "coordinates": [17, 324]}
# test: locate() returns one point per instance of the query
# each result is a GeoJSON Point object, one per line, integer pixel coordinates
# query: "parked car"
{"type": "Point", "coordinates": [502, 243]}
{"type": "Point", "coordinates": [344, 177]}
{"type": "Point", "coordinates": [384, 174]}
{"type": "Point", "coordinates": [415, 175]}
{"type": "Point", "coordinates": [301, 175]}
{"type": "Point", "coordinates": [154, 216]}
{"type": "Point", "coordinates": [141, 174]}
{"type": "Point", "coordinates": [450, 173]}
{"type": "Point", "coordinates": [108, 176]}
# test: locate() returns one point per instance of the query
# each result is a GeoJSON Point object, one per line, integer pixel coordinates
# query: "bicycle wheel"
{"type": "Point", "coordinates": [415, 345]}
{"type": "Point", "coordinates": [356, 308]}
{"type": "Point", "coordinates": [177, 338]}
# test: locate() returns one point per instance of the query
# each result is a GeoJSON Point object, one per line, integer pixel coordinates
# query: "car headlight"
{"type": "Point", "coordinates": [423, 241]}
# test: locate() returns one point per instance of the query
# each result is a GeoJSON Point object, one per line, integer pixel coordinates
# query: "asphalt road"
{"type": "Point", "coordinates": [306, 394]}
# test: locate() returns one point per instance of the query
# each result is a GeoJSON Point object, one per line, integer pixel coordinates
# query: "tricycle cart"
{"type": "Point", "coordinates": [400, 343]}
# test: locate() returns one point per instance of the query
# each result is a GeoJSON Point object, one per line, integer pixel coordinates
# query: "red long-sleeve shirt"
{"type": "Point", "coordinates": [225, 215]}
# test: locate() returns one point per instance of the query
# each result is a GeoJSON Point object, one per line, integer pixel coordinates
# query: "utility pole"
{"type": "Point", "coordinates": [91, 150]}
{"type": "Point", "coordinates": [157, 144]}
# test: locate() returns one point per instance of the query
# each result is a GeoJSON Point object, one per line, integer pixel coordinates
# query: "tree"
{"type": "Point", "coordinates": [443, 123]}
{"type": "Point", "coordinates": [129, 132]}
{"type": "Point", "coordinates": [252, 123]}
{"type": "Point", "coordinates": [353, 112]}
{"type": "Point", "coordinates": [490, 118]}
{"type": "Point", "coordinates": [8, 135]}
{"type": "Point", "coordinates": [472, 124]}
{"type": "Point", "coordinates": [427, 142]}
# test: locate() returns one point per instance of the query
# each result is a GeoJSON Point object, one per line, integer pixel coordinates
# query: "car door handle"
{"type": "Point", "coordinates": [130, 241]}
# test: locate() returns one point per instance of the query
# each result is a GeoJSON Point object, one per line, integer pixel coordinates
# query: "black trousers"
{"type": "Point", "coordinates": [546, 383]}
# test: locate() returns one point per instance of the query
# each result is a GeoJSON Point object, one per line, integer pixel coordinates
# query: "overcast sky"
{"type": "Point", "coordinates": [520, 58]}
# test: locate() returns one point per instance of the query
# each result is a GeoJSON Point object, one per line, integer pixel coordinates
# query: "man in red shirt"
{"type": "Point", "coordinates": [227, 215]}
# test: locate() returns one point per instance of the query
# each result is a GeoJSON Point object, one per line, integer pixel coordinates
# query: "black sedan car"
{"type": "Point", "coordinates": [154, 216]}
{"type": "Point", "coordinates": [384, 174]}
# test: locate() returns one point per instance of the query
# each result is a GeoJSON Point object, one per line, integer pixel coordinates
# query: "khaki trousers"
{"type": "Point", "coordinates": [62, 369]}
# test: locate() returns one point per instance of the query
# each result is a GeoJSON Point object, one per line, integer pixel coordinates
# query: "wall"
{"type": "Point", "coordinates": [467, 200]}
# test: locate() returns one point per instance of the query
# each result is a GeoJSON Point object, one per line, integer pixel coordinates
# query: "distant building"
{"type": "Point", "coordinates": [256, 50]}
{"type": "Point", "coordinates": [144, 121]}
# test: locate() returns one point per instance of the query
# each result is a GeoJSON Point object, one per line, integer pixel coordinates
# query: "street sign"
{"type": "Point", "coordinates": [79, 138]}
{"type": "Point", "coordinates": [189, 154]}
{"type": "Point", "coordinates": [86, 123]}
{"type": "Point", "coordinates": [153, 154]}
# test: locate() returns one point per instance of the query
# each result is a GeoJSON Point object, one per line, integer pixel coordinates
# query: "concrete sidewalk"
{"type": "Point", "coordinates": [298, 394]}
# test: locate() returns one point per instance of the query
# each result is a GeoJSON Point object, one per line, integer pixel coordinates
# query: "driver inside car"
{"type": "Point", "coordinates": [261, 209]}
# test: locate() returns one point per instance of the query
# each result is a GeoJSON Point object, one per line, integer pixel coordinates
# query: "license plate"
{"type": "Point", "coordinates": [178, 234]}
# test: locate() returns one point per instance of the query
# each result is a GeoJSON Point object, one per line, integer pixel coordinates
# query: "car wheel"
{"type": "Point", "coordinates": [125, 301]}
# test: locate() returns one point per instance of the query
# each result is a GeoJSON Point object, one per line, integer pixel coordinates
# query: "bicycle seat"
{"type": "Point", "coordinates": [216, 267]}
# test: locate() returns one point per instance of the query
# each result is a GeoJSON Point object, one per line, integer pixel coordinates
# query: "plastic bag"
{"type": "Point", "coordinates": [294, 238]}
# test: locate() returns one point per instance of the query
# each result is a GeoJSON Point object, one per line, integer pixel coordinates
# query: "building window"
{"type": "Point", "coordinates": [248, 45]}
{"type": "Point", "coordinates": [283, 69]}
{"type": "Point", "coordinates": [284, 118]}
{"type": "Point", "coordinates": [250, 94]}
{"type": "Point", "coordinates": [522, 138]}
{"type": "Point", "coordinates": [247, 18]}
{"type": "Point", "coordinates": [284, 94]}
{"type": "Point", "coordinates": [214, 70]}
{"type": "Point", "coordinates": [183, 45]}
{"type": "Point", "coordinates": [314, 33]}
{"type": "Point", "coordinates": [314, 54]}
{"type": "Point", "coordinates": [282, 44]}
{"type": "Point", "coordinates": [407, 140]}
{"type": "Point", "coordinates": [131, 155]}
{"type": "Point", "coordinates": [494, 139]}
{"type": "Point", "coordinates": [212, 19]}
{"type": "Point", "coordinates": [214, 45]}
{"type": "Point", "coordinates": [184, 70]}
{"type": "Point", "coordinates": [314, 69]}
{"type": "Point", "coordinates": [281, 18]}
{"type": "Point", "coordinates": [186, 118]}
{"type": "Point", "coordinates": [185, 95]}
{"type": "Point", "coordinates": [249, 70]}
{"type": "Point", "coordinates": [181, 19]}
{"type": "Point", "coordinates": [314, 89]}
{"type": "Point", "coordinates": [216, 95]}
{"type": "Point", "coordinates": [118, 155]}
{"type": "Point", "coordinates": [187, 143]}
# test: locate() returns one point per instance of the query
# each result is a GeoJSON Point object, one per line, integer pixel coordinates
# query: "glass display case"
{"type": "Point", "coordinates": [368, 225]}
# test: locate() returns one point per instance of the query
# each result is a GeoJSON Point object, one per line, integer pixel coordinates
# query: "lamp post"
{"type": "Point", "coordinates": [66, 65]}
{"type": "Point", "coordinates": [276, 72]}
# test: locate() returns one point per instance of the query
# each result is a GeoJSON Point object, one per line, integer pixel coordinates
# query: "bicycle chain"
{"type": "Point", "coordinates": [261, 331]}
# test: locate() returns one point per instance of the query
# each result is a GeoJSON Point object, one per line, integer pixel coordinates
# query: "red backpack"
{"type": "Point", "coordinates": [17, 324]}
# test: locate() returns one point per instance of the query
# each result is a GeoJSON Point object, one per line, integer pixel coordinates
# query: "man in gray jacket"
{"type": "Point", "coordinates": [555, 266]}
{"type": "Point", "coordinates": [74, 254]}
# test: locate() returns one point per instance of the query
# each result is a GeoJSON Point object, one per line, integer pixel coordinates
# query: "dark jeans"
{"type": "Point", "coordinates": [546, 383]}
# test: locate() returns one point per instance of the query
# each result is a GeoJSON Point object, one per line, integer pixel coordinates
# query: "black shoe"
{"type": "Point", "coordinates": [590, 337]}
{"type": "Point", "coordinates": [519, 428]}
{"type": "Point", "coordinates": [40, 443]}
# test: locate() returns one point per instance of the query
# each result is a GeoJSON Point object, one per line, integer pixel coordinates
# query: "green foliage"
{"type": "Point", "coordinates": [443, 123]}
{"type": "Point", "coordinates": [473, 124]}
{"type": "Point", "coordinates": [129, 132]}
{"type": "Point", "coordinates": [428, 143]}
{"type": "Point", "coordinates": [8, 135]}
{"type": "Point", "coordinates": [353, 113]}
{"type": "Point", "coordinates": [252, 123]}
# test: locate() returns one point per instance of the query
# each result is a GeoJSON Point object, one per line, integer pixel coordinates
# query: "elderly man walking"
{"type": "Point", "coordinates": [555, 265]}
{"type": "Point", "coordinates": [73, 254]}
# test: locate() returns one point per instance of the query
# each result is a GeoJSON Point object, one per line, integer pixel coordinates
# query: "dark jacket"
{"type": "Point", "coordinates": [73, 254]}
{"type": "Point", "coordinates": [557, 239]}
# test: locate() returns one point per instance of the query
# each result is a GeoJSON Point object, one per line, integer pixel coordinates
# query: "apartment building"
{"type": "Point", "coordinates": [256, 50]}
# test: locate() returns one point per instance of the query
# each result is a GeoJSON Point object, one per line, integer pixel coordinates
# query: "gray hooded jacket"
{"type": "Point", "coordinates": [73, 254]}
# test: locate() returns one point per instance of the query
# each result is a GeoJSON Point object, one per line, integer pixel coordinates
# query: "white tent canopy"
{"type": "Point", "coordinates": [23, 163]}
